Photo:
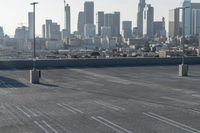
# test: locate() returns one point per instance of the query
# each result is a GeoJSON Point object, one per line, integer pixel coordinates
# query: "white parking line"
{"type": "Point", "coordinates": [9, 111]}
{"type": "Point", "coordinates": [66, 108]}
{"type": "Point", "coordinates": [39, 125]}
{"type": "Point", "coordinates": [108, 105]}
{"type": "Point", "coordinates": [49, 126]}
{"type": "Point", "coordinates": [111, 125]}
{"type": "Point", "coordinates": [106, 125]}
{"type": "Point", "coordinates": [146, 103]}
{"type": "Point", "coordinates": [172, 122]}
{"type": "Point", "coordinates": [23, 111]}
{"type": "Point", "coordinates": [75, 109]}
{"type": "Point", "coordinates": [104, 76]}
{"type": "Point", "coordinates": [30, 111]}
{"type": "Point", "coordinates": [180, 101]}
{"type": "Point", "coordinates": [123, 129]}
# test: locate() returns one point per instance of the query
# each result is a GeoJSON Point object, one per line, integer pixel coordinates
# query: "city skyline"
{"type": "Point", "coordinates": [44, 11]}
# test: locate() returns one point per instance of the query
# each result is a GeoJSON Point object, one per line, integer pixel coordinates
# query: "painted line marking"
{"type": "Point", "coordinates": [106, 124]}
{"type": "Point", "coordinates": [39, 125]}
{"type": "Point", "coordinates": [75, 109]}
{"type": "Point", "coordinates": [146, 103]}
{"type": "Point", "coordinates": [108, 105]}
{"type": "Point", "coordinates": [172, 122]}
{"type": "Point", "coordinates": [12, 114]}
{"type": "Point", "coordinates": [30, 111]}
{"type": "Point", "coordinates": [180, 101]}
{"type": "Point", "coordinates": [114, 124]}
{"type": "Point", "coordinates": [49, 126]}
{"type": "Point", "coordinates": [111, 125]}
{"type": "Point", "coordinates": [66, 108]}
{"type": "Point", "coordinates": [23, 111]}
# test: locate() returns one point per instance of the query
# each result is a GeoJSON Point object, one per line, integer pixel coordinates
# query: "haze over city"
{"type": "Point", "coordinates": [14, 13]}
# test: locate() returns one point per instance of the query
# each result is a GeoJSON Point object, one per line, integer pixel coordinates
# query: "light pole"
{"type": "Point", "coordinates": [34, 45]}
{"type": "Point", "coordinates": [34, 74]}
{"type": "Point", "coordinates": [183, 68]}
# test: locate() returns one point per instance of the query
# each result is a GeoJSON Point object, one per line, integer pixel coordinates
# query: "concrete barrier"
{"type": "Point", "coordinates": [78, 63]}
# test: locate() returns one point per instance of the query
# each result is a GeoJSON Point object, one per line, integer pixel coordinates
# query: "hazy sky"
{"type": "Point", "coordinates": [14, 12]}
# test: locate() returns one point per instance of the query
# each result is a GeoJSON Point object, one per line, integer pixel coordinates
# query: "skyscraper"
{"type": "Point", "coordinates": [47, 29]}
{"type": "Point", "coordinates": [89, 12]}
{"type": "Point", "coordinates": [30, 25]}
{"type": "Point", "coordinates": [148, 20]}
{"type": "Point", "coordinates": [81, 22]}
{"type": "Point", "coordinates": [174, 23]}
{"type": "Point", "coordinates": [195, 21]}
{"type": "Point", "coordinates": [159, 28]}
{"type": "Point", "coordinates": [141, 6]}
{"type": "Point", "coordinates": [187, 17]}
{"type": "Point", "coordinates": [116, 24]}
{"type": "Point", "coordinates": [67, 19]}
{"type": "Point", "coordinates": [100, 22]}
{"type": "Point", "coordinates": [1, 33]}
{"type": "Point", "coordinates": [43, 31]}
{"type": "Point", "coordinates": [54, 31]}
{"type": "Point", "coordinates": [109, 22]}
{"type": "Point", "coordinates": [127, 29]}
{"type": "Point", "coordinates": [112, 20]}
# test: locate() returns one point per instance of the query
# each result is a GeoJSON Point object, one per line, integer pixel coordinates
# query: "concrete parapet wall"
{"type": "Point", "coordinates": [78, 63]}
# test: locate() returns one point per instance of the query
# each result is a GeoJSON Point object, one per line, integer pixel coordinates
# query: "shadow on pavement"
{"type": "Point", "coordinates": [48, 85]}
{"type": "Point", "coordinates": [6, 82]}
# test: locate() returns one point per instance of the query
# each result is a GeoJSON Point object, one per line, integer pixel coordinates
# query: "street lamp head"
{"type": "Point", "coordinates": [34, 3]}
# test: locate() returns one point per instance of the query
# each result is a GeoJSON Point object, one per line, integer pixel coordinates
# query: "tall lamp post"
{"type": "Point", "coordinates": [183, 68]}
{"type": "Point", "coordinates": [34, 74]}
{"type": "Point", "coordinates": [34, 47]}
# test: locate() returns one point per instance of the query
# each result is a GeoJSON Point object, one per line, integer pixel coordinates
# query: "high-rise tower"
{"type": "Point", "coordinates": [30, 25]}
{"type": "Point", "coordinates": [141, 6]}
{"type": "Point", "coordinates": [67, 18]}
{"type": "Point", "coordinates": [89, 12]}
{"type": "Point", "coordinates": [187, 17]}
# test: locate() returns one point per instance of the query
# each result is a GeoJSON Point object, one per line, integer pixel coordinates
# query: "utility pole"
{"type": "Point", "coordinates": [34, 74]}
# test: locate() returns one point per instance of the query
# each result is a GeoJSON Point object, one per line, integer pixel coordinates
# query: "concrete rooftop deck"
{"type": "Point", "coordinates": [101, 100]}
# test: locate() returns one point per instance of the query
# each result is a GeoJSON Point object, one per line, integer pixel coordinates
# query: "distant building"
{"type": "Point", "coordinates": [141, 6]}
{"type": "Point", "coordinates": [175, 26]}
{"type": "Point", "coordinates": [117, 22]}
{"type": "Point", "coordinates": [54, 44]}
{"type": "Point", "coordinates": [187, 17]}
{"type": "Point", "coordinates": [190, 25]}
{"type": "Point", "coordinates": [135, 32]}
{"type": "Point", "coordinates": [199, 44]}
{"type": "Point", "coordinates": [1, 33]}
{"type": "Point", "coordinates": [21, 33]}
{"type": "Point", "coordinates": [52, 30]}
{"type": "Point", "coordinates": [195, 29]}
{"type": "Point", "coordinates": [106, 31]}
{"type": "Point", "coordinates": [21, 36]}
{"type": "Point", "coordinates": [47, 28]}
{"type": "Point", "coordinates": [30, 25]}
{"type": "Point", "coordinates": [89, 31]}
{"type": "Point", "coordinates": [127, 29]}
{"type": "Point", "coordinates": [100, 22]}
{"type": "Point", "coordinates": [65, 34]}
{"type": "Point", "coordinates": [113, 21]}
{"type": "Point", "coordinates": [81, 23]}
{"type": "Point", "coordinates": [43, 31]}
{"type": "Point", "coordinates": [159, 29]}
{"type": "Point", "coordinates": [148, 20]}
{"type": "Point", "coordinates": [89, 12]}
{"type": "Point", "coordinates": [67, 19]}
